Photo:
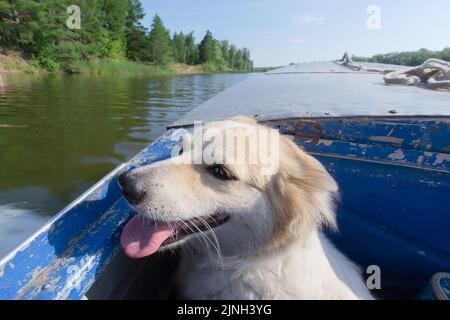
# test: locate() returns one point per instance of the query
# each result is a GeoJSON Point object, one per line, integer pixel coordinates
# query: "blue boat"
{"type": "Point", "coordinates": [388, 147]}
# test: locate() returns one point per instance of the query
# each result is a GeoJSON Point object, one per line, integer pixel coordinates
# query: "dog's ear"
{"type": "Point", "coordinates": [301, 194]}
{"type": "Point", "coordinates": [244, 120]}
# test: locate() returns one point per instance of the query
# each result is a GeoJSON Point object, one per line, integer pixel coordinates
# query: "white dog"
{"type": "Point", "coordinates": [247, 235]}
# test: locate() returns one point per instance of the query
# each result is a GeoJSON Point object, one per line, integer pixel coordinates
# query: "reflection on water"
{"type": "Point", "coordinates": [16, 221]}
{"type": "Point", "coordinates": [60, 134]}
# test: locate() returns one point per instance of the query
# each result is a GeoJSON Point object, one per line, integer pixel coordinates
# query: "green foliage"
{"type": "Point", "coordinates": [225, 50]}
{"type": "Point", "coordinates": [110, 48]}
{"type": "Point", "coordinates": [75, 66]}
{"type": "Point", "coordinates": [159, 42]}
{"type": "Point", "coordinates": [210, 67]}
{"type": "Point", "coordinates": [110, 29]}
{"type": "Point", "coordinates": [135, 33]}
{"type": "Point", "coordinates": [115, 20]}
{"type": "Point", "coordinates": [179, 47]}
{"type": "Point", "coordinates": [232, 56]}
{"type": "Point", "coordinates": [191, 49]}
{"type": "Point", "coordinates": [408, 58]}
{"type": "Point", "coordinates": [220, 56]}
{"type": "Point", "coordinates": [17, 63]}
{"type": "Point", "coordinates": [207, 48]}
{"type": "Point", "coordinates": [69, 55]}
{"type": "Point", "coordinates": [111, 67]}
{"type": "Point", "coordinates": [47, 59]}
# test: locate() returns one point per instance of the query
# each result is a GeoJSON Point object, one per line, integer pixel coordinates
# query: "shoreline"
{"type": "Point", "coordinates": [15, 64]}
{"type": "Point", "coordinates": [104, 67]}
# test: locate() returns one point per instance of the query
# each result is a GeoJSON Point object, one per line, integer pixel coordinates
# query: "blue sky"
{"type": "Point", "coordinates": [278, 32]}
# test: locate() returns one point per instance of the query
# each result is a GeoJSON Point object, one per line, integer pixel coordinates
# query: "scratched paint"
{"type": "Point", "coordinates": [397, 155]}
{"type": "Point", "coordinates": [388, 139]}
{"type": "Point", "coordinates": [425, 134]}
{"type": "Point", "coordinates": [325, 142]}
{"type": "Point", "coordinates": [441, 158]}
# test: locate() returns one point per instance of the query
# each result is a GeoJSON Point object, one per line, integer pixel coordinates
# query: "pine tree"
{"type": "Point", "coordinates": [191, 49]}
{"type": "Point", "coordinates": [247, 63]}
{"type": "Point", "coordinates": [225, 47]}
{"type": "Point", "coordinates": [238, 60]}
{"type": "Point", "coordinates": [115, 17]}
{"type": "Point", "coordinates": [24, 24]}
{"type": "Point", "coordinates": [217, 57]}
{"type": "Point", "coordinates": [159, 43]}
{"type": "Point", "coordinates": [135, 33]}
{"type": "Point", "coordinates": [179, 47]}
{"type": "Point", "coordinates": [232, 56]}
{"type": "Point", "coordinates": [207, 48]}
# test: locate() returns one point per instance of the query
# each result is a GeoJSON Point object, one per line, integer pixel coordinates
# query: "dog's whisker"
{"type": "Point", "coordinates": [194, 231]}
{"type": "Point", "coordinates": [213, 234]}
{"type": "Point", "coordinates": [172, 229]}
{"type": "Point", "coordinates": [205, 236]}
{"type": "Point", "coordinates": [202, 237]}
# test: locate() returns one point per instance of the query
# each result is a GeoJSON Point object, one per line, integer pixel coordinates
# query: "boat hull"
{"type": "Point", "coordinates": [394, 182]}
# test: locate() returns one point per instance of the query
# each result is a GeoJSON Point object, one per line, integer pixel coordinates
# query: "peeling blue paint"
{"type": "Point", "coordinates": [65, 257]}
{"type": "Point", "coordinates": [425, 134]}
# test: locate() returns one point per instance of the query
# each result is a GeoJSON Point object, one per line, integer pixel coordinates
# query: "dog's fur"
{"type": "Point", "coordinates": [272, 246]}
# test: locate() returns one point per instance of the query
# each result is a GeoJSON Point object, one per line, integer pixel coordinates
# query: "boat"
{"type": "Point", "coordinates": [387, 146]}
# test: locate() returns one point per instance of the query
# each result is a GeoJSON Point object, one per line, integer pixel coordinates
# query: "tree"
{"type": "Point", "coordinates": [445, 54]}
{"type": "Point", "coordinates": [179, 47]}
{"type": "Point", "coordinates": [136, 33]}
{"type": "Point", "coordinates": [137, 45]}
{"type": "Point", "coordinates": [247, 62]}
{"type": "Point", "coordinates": [159, 43]}
{"type": "Point", "coordinates": [408, 58]}
{"type": "Point", "coordinates": [238, 60]}
{"type": "Point", "coordinates": [115, 15]}
{"type": "Point", "coordinates": [217, 55]}
{"type": "Point", "coordinates": [113, 29]}
{"type": "Point", "coordinates": [27, 24]}
{"type": "Point", "coordinates": [232, 56]}
{"type": "Point", "coordinates": [207, 48]}
{"type": "Point", "coordinates": [225, 48]}
{"type": "Point", "coordinates": [191, 49]}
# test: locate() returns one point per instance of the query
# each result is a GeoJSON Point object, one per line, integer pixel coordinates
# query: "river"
{"type": "Point", "coordinates": [59, 134]}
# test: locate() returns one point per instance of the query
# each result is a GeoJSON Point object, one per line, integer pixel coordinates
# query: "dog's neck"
{"type": "Point", "coordinates": [309, 268]}
{"type": "Point", "coordinates": [311, 242]}
{"type": "Point", "coordinates": [260, 269]}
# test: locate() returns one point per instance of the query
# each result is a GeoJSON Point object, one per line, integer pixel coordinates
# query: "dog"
{"type": "Point", "coordinates": [244, 234]}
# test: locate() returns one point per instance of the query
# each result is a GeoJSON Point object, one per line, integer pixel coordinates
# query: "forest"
{"type": "Point", "coordinates": [407, 58]}
{"type": "Point", "coordinates": [109, 30]}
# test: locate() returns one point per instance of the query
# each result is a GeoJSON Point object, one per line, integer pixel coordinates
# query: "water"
{"type": "Point", "coordinates": [60, 134]}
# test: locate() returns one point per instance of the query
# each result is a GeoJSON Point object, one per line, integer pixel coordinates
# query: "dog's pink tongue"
{"type": "Point", "coordinates": [142, 237]}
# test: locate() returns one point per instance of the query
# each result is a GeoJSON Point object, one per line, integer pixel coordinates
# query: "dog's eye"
{"type": "Point", "coordinates": [220, 172]}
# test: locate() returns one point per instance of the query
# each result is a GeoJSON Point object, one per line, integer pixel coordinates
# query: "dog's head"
{"type": "Point", "coordinates": [237, 197]}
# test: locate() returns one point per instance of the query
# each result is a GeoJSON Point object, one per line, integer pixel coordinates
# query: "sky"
{"type": "Point", "coordinates": [279, 32]}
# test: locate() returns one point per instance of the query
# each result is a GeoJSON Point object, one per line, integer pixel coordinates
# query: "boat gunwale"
{"type": "Point", "coordinates": [25, 243]}
{"type": "Point", "coordinates": [263, 119]}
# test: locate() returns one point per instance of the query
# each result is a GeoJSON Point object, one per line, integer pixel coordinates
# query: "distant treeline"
{"type": "Point", "coordinates": [408, 58]}
{"type": "Point", "coordinates": [109, 29]}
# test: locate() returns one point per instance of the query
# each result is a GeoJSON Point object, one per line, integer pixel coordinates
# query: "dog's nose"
{"type": "Point", "coordinates": [131, 190]}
